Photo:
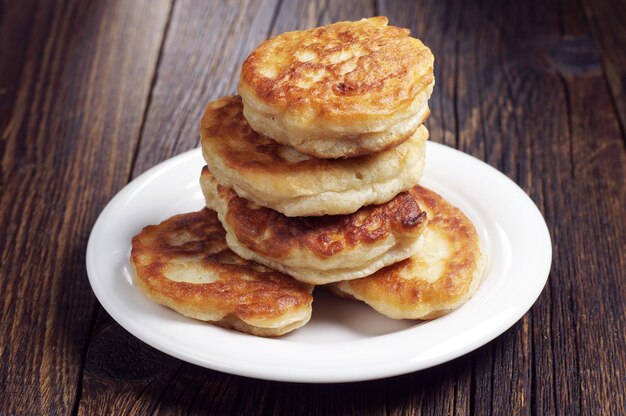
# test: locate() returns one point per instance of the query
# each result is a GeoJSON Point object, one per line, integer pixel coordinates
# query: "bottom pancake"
{"type": "Point", "coordinates": [185, 264]}
{"type": "Point", "coordinates": [441, 277]}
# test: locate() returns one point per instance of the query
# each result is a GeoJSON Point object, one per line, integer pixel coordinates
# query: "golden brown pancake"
{"type": "Point", "coordinates": [318, 250]}
{"type": "Point", "coordinates": [185, 264]}
{"type": "Point", "coordinates": [343, 90]}
{"type": "Point", "coordinates": [279, 177]}
{"type": "Point", "coordinates": [442, 276]}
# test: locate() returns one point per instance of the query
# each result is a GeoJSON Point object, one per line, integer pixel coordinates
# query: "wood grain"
{"type": "Point", "coordinates": [93, 94]}
{"type": "Point", "coordinates": [77, 94]}
{"type": "Point", "coordinates": [507, 73]}
{"type": "Point", "coordinates": [605, 20]}
{"type": "Point", "coordinates": [203, 47]}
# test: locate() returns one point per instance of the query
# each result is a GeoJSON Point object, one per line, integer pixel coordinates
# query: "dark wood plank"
{"type": "Point", "coordinates": [597, 301]}
{"type": "Point", "coordinates": [299, 15]}
{"type": "Point", "coordinates": [606, 23]}
{"type": "Point", "coordinates": [522, 88]}
{"type": "Point", "coordinates": [205, 44]}
{"type": "Point", "coordinates": [596, 186]}
{"type": "Point", "coordinates": [23, 28]}
{"type": "Point", "coordinates": [519, 86]}
{"type": "Point", "coordinates": [584, 198]}
{"type": "Point", "coordinates": [116, 367]}
{"type": "Point", "coordinates": [76, 84]}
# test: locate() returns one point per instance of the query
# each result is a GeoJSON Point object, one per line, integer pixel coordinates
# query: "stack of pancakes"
{"type": "Point", "coordinates": [313, 173]}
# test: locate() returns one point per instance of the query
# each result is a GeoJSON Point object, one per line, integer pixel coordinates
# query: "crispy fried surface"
{"type": "Point", "coordinates": [318, 249]}
{"type": "Point", "coordinates": [440, 278]}
{"type": "Point", "coordinates": [343, 68]}
{"type": "Point", "coordinates": [347, 89]}
{"type": "Point", "coordinates": [270, 174]}
{"type": "Point", "coordinates": [185, 264]}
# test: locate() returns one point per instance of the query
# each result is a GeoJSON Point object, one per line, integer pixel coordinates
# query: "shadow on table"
{"type": "Point", "coordinates": [122, 374]}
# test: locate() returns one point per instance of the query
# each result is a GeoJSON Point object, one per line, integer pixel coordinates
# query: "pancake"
{"type": "Point", "coordinates": [323, 249]}
{"type": "Point", "coordinates": [276, 176]}
{"type": "Point", "coordinates": [185, 264]}
{"type": "Point", "coordinates": [343, 90]}
{"type": "Point", "coordinates": [442, 276]}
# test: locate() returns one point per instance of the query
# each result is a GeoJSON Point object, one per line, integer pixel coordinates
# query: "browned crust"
{"type": "Point", "coordinates": [244, 288]}
{"type": "Point", "coordinates": [396, 284]}
{"type": "Point", "coordinates": [225, 132]}
{"type": "Point", "coordinates": [384, 72]}
{"type": "Point", "coordinates": [272, 234]}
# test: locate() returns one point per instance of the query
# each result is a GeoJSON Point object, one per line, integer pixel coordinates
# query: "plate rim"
{"type": "Point", "coordinates": [367, 373]}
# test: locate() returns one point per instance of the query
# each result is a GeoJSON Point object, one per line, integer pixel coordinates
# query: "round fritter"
{"type": "Point", "coordinates": [343, 90]}
{"type": "Point", "coordinates": [323, 249]}
{"type": "Point", "coordinates": [276, 176]}
{"type": "Point", "coordinates": [185, 264]}
{"type": "Point", "coordinates": [438, 279]}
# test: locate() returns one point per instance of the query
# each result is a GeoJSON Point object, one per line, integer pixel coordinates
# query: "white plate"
{"type": "Point", "coordinates": [344, 341]}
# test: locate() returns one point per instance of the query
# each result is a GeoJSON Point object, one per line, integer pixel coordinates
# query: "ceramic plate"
{"type": "Point", "coordinates": [345, 340]}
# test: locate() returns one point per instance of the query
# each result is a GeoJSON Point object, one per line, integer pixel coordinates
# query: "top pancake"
{"type": "Point", "coordinates": [342, 90]}
{"type": "Point", "coordinates": [185, 264]}
{"type": "Point", "coordinates": [438, 279]}
{"type": "Point", "coordinates": [276, 176]}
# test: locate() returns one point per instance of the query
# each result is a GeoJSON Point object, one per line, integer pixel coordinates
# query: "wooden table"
{"type": "Point", "coordinates": [94, 93]}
